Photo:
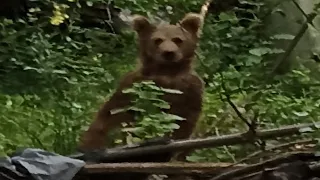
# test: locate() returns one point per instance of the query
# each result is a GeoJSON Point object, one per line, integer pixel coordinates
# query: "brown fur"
{"type": "Point", "coordinates": [166, 55]}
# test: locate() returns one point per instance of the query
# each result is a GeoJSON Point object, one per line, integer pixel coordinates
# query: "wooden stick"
{"type": "Point", "coordinates": [209, 142]}
{"type": "Point", "coordinates": [221, 171]}
{"type": "Point", "coordinates": [158, 168]}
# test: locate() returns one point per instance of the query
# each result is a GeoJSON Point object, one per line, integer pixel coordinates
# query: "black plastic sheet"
{"type": "Point", "coordinates": [37, 164]}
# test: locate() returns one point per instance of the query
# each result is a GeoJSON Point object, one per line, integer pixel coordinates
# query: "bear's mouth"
{"type": "Point", "coordinates": [171, 61]}
{"type": "Point", "coordinates": [169, 56]}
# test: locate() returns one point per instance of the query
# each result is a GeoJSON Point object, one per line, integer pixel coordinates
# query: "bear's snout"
{"type": "Point", "coordinates": [169, 55]}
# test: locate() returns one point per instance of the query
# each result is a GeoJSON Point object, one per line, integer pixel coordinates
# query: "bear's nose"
{"type": "Point", "coordinates": [168, 55]}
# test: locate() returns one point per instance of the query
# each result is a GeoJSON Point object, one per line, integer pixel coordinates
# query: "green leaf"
{"type": "Point", "coordinates": [89, 3]}
{"type": "Point", "coordinates": [283, 36]}
{"type": "Point", "coordinates": [174, 117]}
{"type": "Point", "coordinates": [276, 51]}
{"type": "Point", "coordinates": [174, 126]}
{"type": "Point", "coordinates": [59, 71]}
{"type": "Point", "coordinates": [153, 87]}
{"type": "Point", "coordinates": [129, 90]}
{"type": "Point", "coordinates": [116, 111]}
{"type": "Point", "coordinates": [195, 158]}
{"type": "Point", "coordinates": [317, 125]}
{"type": "Point", "coordinates": [131, 129]}
{"type": "Point", "coordinates": [9, 103]}
{"type": "Point", "coordinates": [76, 105]}
{"type": "Point", "coordinates": [136, 109]}
{"type": "Point", "coordinates": [148, 83]}
{"type": "Point", "coordinates": [253, 60]}
{"type": "Point", "coordinates": [68, 39]}
{"type": "Point", "coordinates": [301, 114]}
{"type": "Point", "coordinates": [162, 105]}
{"type": "Point", "coordinates": [306, 130]}
{"type": "Point", "coordinates": [18, 100]}
{"type": "Point", "coordinates": [32, 68]}
{"type": "Point", "coordinates": [259, 51]}
{"type": "Point", "coordinates": [172, 91]}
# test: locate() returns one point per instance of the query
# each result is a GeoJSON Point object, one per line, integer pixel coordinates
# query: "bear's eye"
{"type": "Point", "coordinates": [177, 40]}
{"type": "Point", "coordinates": [158, 41]}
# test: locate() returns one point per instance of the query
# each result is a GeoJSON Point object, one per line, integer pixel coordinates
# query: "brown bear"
{"type": "Point", "coordinates": [166, 53]}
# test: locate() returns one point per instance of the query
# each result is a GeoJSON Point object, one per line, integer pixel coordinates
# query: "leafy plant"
{"type": "Point", "coordinates": [150, 119]}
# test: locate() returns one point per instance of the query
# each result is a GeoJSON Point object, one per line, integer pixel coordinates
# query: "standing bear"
{"type": "Point", "coordinates": [166, 54]}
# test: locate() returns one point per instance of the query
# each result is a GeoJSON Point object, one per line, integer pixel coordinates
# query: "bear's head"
{"type": "Point", "coordinates": [167, 48]}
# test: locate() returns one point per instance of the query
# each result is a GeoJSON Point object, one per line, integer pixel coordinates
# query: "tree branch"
{"type": "Point", "coordinates": [288, 158]}
{"type": "Point", "coordinates": [232, 139]}
{"type": "Point", "coordinates": [293, 44]}
{"type": "Point", "coordinates": [157, 168]}
{"type": "Point", "coordinates": [219, 170]}
{"type": "Point", "coordinates": [281, 146]}
{"type": "Point", "coordinates": [304, 13]}
{"type": "Point", "coordinates": [234, 107]}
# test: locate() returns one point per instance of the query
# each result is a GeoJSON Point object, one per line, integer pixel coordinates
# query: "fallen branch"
{"type": "Point", "coordinates": [232, 139]}
{"type": "Point", "coordinates": [299, 169]}
{"type": "Point", "coordinates": [219, 170]}
{"type": "Point", "coordinates": [157, 168]}
{"type": "Point", "coordinates": [269, 149]}
{"type": "Point", "coordinates": [290, 157]}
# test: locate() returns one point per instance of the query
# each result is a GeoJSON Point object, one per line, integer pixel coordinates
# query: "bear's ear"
{"type": "Point", "coordinates": [141, 24]}
{"type": "Point", "coordinates": [191, 22]}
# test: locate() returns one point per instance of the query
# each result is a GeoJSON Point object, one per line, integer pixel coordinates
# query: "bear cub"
{"type": "Point", "coordinates": [166, 53]}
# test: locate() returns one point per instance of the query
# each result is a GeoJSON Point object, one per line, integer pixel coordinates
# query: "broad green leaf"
{"type": "Point", "coordinates": [136, 109]}
{"type": "Point", "coordinates": [195, 158]}
{"type": "Point", "coordinates": [18, 100]}
{"type": "Point", "coordinates": [253, 60]}
{"type": "Point", "coordinates": [317, 125]}
{"type": "Point", "coordinates": [174, 117]}
{"type": "Point", "coordinates": [276, 51]}
{"type": "Point", "coordinates": [9, 103]}
{"type": "Point", "coordinates": [76, 105]}
{"type": "Point", "coordinates": [259, 51]}
{"type": "Point", "coordinates": [116, 111]}
{"type": "Point", "coordinates": [283, 36]}
{"type": "Point", "coordinates": [306, 130]}
{"type": "Point", "coordinates": [172, 91]}
{"type": "Point", "coordinates": [174, 126]}
{"type": "Point", "coordinates": [301, 114]}
{"type": "Point", "coordinates": [89, 3]}
{"type": "Point", "coordinates": [130, 90]}
{"type": "Point", "coordinates": [59, 71]}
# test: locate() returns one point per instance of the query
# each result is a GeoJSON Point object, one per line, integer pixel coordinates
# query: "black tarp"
{"type": "Point", "coordinates": [37, 164]}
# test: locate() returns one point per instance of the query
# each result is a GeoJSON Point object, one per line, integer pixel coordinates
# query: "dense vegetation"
{"type": "Point", "coordinates": [54, 77]}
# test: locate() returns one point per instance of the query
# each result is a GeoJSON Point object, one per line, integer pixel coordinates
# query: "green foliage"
{"type": "Point", "coordinates": [54, 77]}
{"type": "Point", "coordinates": [54, 81]}
{"type": "Point", "coordinates": [150, 120]}
{"type": "Point", "coordinates": [240, 67]}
